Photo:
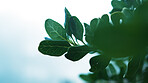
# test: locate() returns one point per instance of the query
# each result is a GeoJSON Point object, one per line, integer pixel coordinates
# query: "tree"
{"type": "Point", "coordinates": [119, 39]}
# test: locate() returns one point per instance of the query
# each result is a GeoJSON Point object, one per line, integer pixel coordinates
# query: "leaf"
{"type": "Point", "coordinates": [88, 33]}
{"type": "Point", "coordinates": [122, 67]}
{"type": "Point", "coordinates": [94, 24]}
{"type": "Point", "coordinates": [99, 63]}
{"type": "Point", "coordinates": [90, 78]}
{"type": "Point", "coordinates": [104, 21]}
{"type": "Point", "coordinates": [112, 69]}
{"type": "Point", "coordinates": [116, 17]}
{"type": "Point", "coordinates": [67, 18]}
{"type": "Point", "coordinates": [133, 67]}
{"type": "Point", "coordinates": [75, 53]}
{"type": "Point", "coordinates": [91, 29]}
{"type": "Point", "coordinates": [118, 4]}
{"type": "Point", "coordinates": [87, 29]}
{"type": "Point", "coordinates": [55, 30]}
{"type": "Point", "coordinates": [53, 48]}
{"type": "Point", "coordinates": [128, 15]}
{"type": "Point", "coordinates": [76, 27]}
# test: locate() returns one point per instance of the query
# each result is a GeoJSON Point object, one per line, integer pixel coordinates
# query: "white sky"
{"type": "Point", "coordinates": [21, 30]}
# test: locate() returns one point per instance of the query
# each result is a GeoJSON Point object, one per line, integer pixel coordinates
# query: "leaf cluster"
{"type": "Point", "coordinates": [120, 39]}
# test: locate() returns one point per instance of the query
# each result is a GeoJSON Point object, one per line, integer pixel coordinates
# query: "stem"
{"type": "Point", "coordinates": [73, 41]}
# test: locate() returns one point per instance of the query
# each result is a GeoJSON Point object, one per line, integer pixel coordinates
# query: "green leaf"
{"type": "Point", "coordinates": [122, 67]}
{"type": "Point", "coordinates": [99, 63]}
{"type": "Point", "coordinates": [91, 29]}
{"type": "Point", "coordinates": [133, 67]}
{"type": "Point", "coordinates": [87, 29]}
{"type": "Point", "coordinates": [94, 24]}
{"type": "Point", "coordinates": [116, 17]}
{"type": "Point", "coordinates": [67, 18]}
{"type": "Point", "coordinates": [88, 33]}
{"type": "Point", "coordinates": [75, 53]}
{"type": "Point", "coordinates": [76, 27]}
{"type": "Point", "coordinates": [127, 12]}
{"type": "Point", "coordinates": [55, 30]}
{"type": "Point", "coordinates": [112, 69]}
{"type": "Point", "coordinates": [90, 78]}
{"type": "Point", "coordinates": [53, 48]}
{"type": "Point", "coordinates": [118, 4]}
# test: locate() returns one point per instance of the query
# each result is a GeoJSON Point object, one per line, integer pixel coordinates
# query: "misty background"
{"type": "Point", "coordinates": [22, 29]}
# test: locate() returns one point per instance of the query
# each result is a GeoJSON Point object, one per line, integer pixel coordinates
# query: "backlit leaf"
{"type": "Point", "coordinates": [76, 27]}
{"type": "Point", "coordinates": [55, 30]}
{"type": "Point", "coordinates": [67, 18]}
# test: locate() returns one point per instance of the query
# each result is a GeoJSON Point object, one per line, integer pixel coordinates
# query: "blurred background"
{"type": "Point", "coordinates": [22, 29]}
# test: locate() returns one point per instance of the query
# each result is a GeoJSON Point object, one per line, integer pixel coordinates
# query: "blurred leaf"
{"type": "Point", "coordinates": [133, 67]}
{"type": "Point", "coordinates": [94, 24]}
{"type": "Point", "coordinates": [75, 53]}
{"type": "Point", "coordinates": [67, 18]}
{"type": "Point", "coordinates": [122, 67]}
{"type": "Point", "coordinates": [53, 48]}
{"type": "Point", "coordinates": [90, 78]}
{"type": "Point", "coordinates": [128, 14]}
{"type": "Point", "coordinates": [115, 10]}
{"type": "Point", "coordinates": [118, 4]}
{"type": "Point", "coordinates": [112, 69]}
{"type": "Point", "coordinates": [76, 27]}
{"type": "Point", "coordinates": [88, 33]}
{"type": "Point", "coordinates": [116, 17]}
{"type": "Point", "coordinates": [55, 30]}
{"type": "Point", "coordinates": [87, 29]}
{"type": "Point", "coordinates": [99, 63]}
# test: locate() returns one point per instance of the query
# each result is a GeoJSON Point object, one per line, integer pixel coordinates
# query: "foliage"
{"type": "Point", "coordinates": [121, 40]}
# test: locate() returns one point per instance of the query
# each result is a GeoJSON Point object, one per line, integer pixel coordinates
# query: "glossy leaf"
{"type": "Point", "coordinates": [55, 30]}
{"type": "Point", "coordinates": [67, 18]}
{"type": "Point", "coordinates": [75, 53]}
{"type": "Point", "coordinates": [99, 63]}
{"type": "Point", "coordinates": [53, 48]}
{"type": "Point", "coordinates": [76, 27]}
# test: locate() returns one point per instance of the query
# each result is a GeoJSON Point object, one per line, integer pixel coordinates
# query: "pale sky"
{"type": "Point", "coordinates": [21, 30]}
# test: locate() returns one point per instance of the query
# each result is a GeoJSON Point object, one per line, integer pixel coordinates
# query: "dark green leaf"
{"type": "Point", "coordinates": [116, 18]}
{"type": "Point", "coordinates": [87, 29]}
{"type": "Point", "coordinates": [55, 30]}
{"type": "Point", "coordinates": [112, 69]}
{"type": "Point", "coordinates": [133, 67]}
{"type": "Point", "coordinates": [67, 18]}
{"type": "Point", "coordinates": [94, 24]}
{"type": "Point", "coordinates": [88, 33]}
{"type": "Point", "coordinates": [99, 63]}
{"type": "Point", "coordinates": [118, 4]}
{"type": "Point", "coordinates": [76, 27]}
{"type": "Point", "coordinates": [122, 67]}
{"type": "Point", "coordinates": [127, 12]}
{"type": "Point", "coordinates": [75, 53]}
{"type": "Point", "coordinates": [90, 78]}
{"type": "Point", "coordinates": [53, 48]}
